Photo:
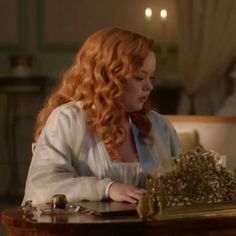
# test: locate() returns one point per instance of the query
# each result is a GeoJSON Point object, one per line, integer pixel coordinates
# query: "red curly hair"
{"type": "Point", "coordinates": [98, 76]}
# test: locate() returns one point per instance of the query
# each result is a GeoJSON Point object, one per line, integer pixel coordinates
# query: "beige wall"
{"type": "Point", "coordinates": [65, 24]}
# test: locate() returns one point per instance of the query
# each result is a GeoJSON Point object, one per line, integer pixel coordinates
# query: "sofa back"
{"type": "Point", "coordinates": [212, 132]}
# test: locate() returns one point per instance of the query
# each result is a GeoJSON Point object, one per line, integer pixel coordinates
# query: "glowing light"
{"type": "Point", "coordinates": [148, 13]}
{"type": "Point", "coordinates": [163, 14]}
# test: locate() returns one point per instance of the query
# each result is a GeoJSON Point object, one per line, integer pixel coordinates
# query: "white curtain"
{"type": "Point", "coordinates": [207, 45]}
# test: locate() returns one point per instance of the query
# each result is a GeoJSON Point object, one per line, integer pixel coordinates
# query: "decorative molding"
{"type": "Point", "coordinates": [44, 42]}
{"type": "Point", "coordinates": [19, 25]}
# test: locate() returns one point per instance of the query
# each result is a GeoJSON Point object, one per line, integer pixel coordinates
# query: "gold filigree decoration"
{"type": "Point", "coordinates": [198, 177]}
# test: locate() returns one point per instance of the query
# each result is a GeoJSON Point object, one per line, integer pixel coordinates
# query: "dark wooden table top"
{"type": "Point", "coordinates": [85, 224]}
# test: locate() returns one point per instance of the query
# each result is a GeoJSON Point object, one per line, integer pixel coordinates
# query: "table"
{"type": "Point", "coordinates": [83, 224]}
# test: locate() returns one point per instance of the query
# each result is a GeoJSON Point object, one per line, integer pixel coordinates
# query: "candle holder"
{"type": "Point", "coordinates": [163, 16]}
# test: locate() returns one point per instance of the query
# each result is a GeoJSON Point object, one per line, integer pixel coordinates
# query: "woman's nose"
{"type": "Point", "coordinates": [148, 84]}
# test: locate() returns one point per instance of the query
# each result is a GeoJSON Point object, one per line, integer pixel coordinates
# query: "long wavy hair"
{"type": "Point", "coordinates": [106, 60]}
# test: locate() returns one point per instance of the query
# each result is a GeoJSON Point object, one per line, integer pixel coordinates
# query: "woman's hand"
{"type": "Point", "coordinates": [124, 193]}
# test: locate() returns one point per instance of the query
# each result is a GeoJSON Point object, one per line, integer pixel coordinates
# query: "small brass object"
{"type": "Point", "coordinates": [143, 206]}
{"type": "Point", "coordinates": [28, 209]}
{"type": "Point", "coordinates": [59, 201]}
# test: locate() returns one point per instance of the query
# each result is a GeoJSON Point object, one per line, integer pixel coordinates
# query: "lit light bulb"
{"type": "Point", "coordinates": [163, 14]}
{"type": "Point", "coordinates": [148, 13]}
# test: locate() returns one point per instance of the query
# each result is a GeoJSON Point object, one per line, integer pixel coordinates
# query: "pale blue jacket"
{"type": "Point", "coordinates": [70, 160]}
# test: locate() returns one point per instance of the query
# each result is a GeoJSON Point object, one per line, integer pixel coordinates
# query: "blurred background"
{"type": "Point", "coordinates": [195, 43]}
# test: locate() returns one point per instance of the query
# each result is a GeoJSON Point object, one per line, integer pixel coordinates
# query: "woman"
{"type": "Point", "coordinates": [97, 137]}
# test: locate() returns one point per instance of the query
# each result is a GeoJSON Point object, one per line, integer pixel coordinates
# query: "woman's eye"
{"type": "Point", "coordinates": [139, 78]}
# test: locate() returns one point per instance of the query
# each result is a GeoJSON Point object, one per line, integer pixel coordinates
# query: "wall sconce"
{"type": "Point", "coordinates": [163, 16]}
{"type": "Point", "coordinates": [148, 13]}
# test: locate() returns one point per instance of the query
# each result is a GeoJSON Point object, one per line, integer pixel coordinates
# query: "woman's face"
{"type": "Point", "coordinates": [138, 88]}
